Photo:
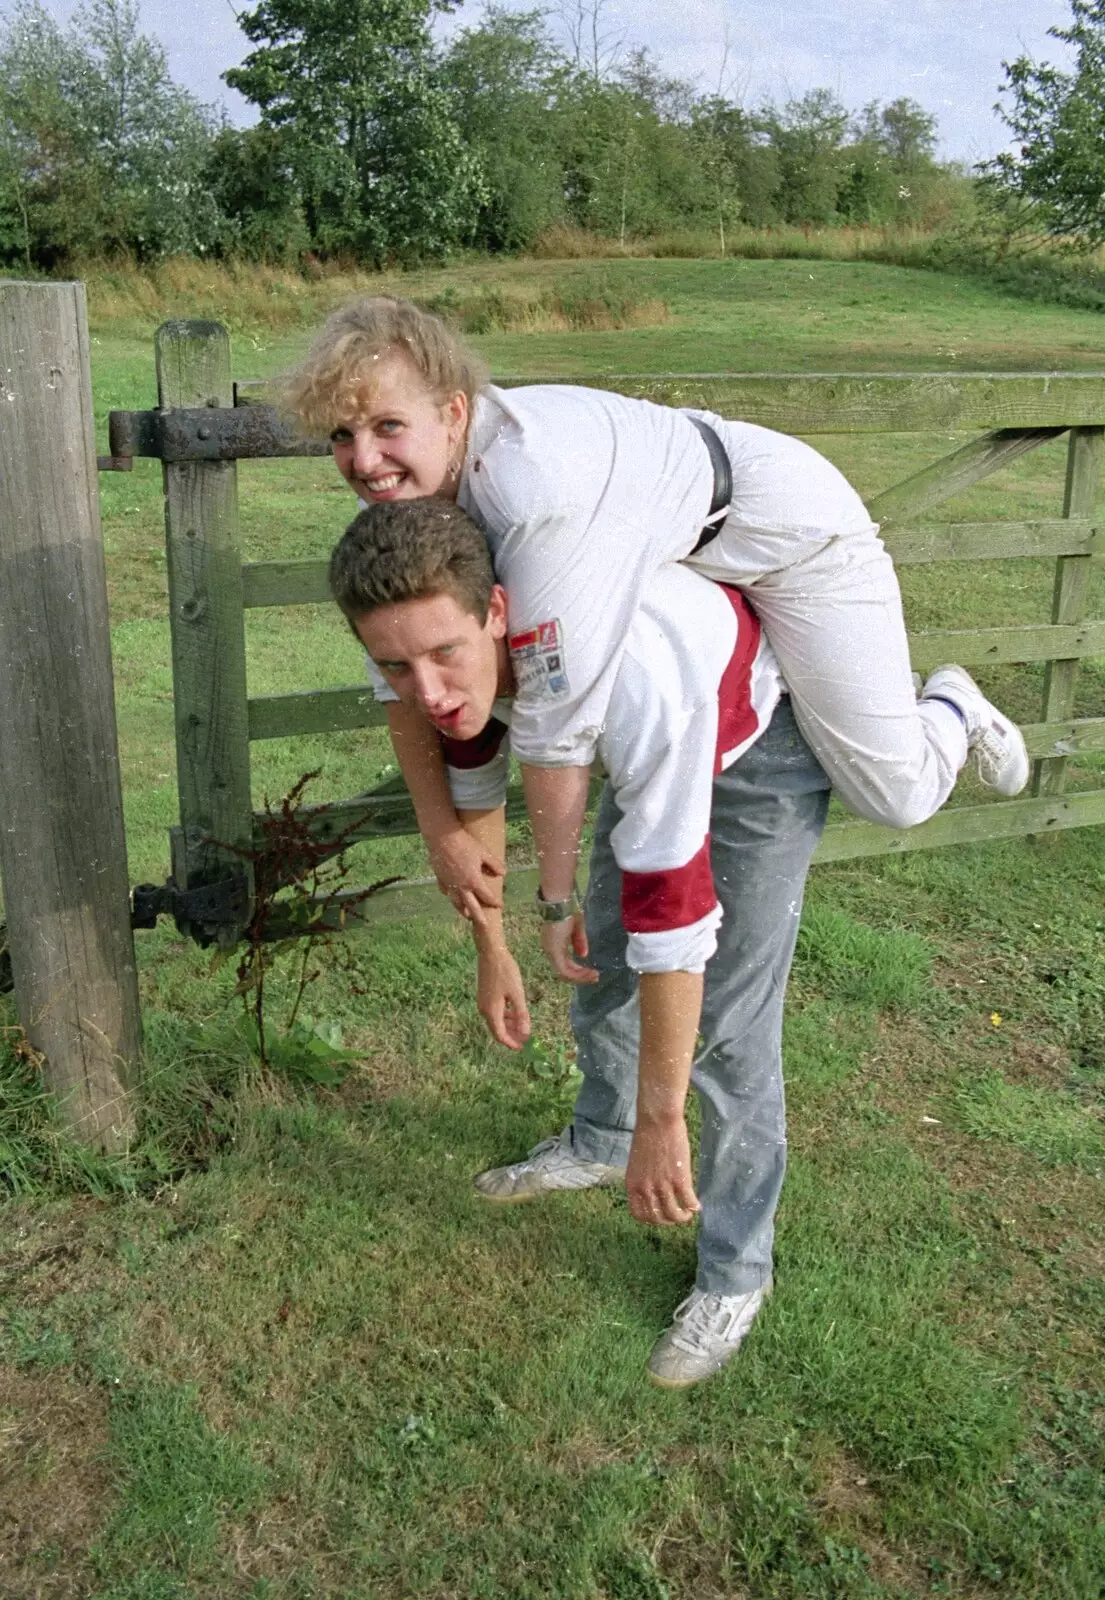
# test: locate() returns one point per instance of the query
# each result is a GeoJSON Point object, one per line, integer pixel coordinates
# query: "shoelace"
{"type": "Point", "coordinates": [989, 742]}
{"type": "Point", "coordinates": [546, 1144]}
{"type": "Point", "coordinates": [706, 1315]}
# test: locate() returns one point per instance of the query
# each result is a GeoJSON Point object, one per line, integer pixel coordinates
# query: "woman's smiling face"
{"type": "Point", "coordinates": [403, 445]}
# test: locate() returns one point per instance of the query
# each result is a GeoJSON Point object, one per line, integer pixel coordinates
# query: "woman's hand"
{"type": "Point", "coordinates": [658, 1179]}
{"type": "Point", "coordinates": [501, 997]}
{"type": "Point", "coordinates": [464, 868]}
{"type": "Point", "coordinates": [563, 942]}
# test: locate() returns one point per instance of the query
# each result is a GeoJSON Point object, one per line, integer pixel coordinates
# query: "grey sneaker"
{"type": "Point", "coordinates": [705, 1333]}
{"type": "Point", "coordinates": [995, 743]}
{"type": "Point", "coordinates": [550, 1165]}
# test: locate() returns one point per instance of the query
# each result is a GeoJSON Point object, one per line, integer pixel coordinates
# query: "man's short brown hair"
{"type": "Point", "coordinates": [408, 550]}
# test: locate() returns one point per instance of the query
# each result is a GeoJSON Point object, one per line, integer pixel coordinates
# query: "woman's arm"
{"type": "Point", "coordinates": [556, 799]}
{"type": "Point", "coordinates": [658, 1179]}
{"type": "Point", "coordinates": [500, 993]}
{"type": "Point", "coordinates": [461, 864]}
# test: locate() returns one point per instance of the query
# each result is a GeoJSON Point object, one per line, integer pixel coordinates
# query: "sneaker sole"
{"type": "Point", "coordinates": [511, 1199]}
{"type": "Point", "coordinates": [679, 1383]}
{"type": "Point", "coordinates": [541, 1194]}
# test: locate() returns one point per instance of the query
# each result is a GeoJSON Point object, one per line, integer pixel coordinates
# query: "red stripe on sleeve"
{"type": "Point", "coordinates": [466, 754]}
{"type": "Point", "coordinates": [736, 715]}
{"type": "Point", "coordinates": [654, 902]}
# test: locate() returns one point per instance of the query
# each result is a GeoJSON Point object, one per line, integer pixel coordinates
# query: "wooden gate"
{"type": "Point", "coordinates": [206, 423]}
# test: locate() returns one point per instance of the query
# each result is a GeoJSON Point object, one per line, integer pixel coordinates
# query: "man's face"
{"type": "Point", "coordinates": [440, 658]}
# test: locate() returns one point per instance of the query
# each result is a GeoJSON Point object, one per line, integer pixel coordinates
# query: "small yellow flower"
{"type": "Point", "coordinates": [995, 1018]}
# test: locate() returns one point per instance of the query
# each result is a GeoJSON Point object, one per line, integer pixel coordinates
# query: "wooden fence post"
{"type": "Point", "coordinates": [1071, 594]}
{"type": "Point", "coordinates": [62, 846]}
{"type": "Point", "coordinates": [206, 620]}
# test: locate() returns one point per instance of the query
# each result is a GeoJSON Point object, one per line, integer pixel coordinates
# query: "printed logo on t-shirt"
{"type": "Point", "coordinates": [538, 659]}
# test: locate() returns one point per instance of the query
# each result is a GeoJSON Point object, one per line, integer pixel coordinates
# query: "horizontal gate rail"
{"type": "Point", "coordinates": [278, 716]}
{"type": "Point", "coordinates": [841, 841]}
{"type": "Point", "coordinates": [998, 416]}
{"type": "Point", "coordinates": [373, 816]}
{"type": "Point", "coordinates": [304, 581]}
{"type": "Point", "coordinates": [850, 402]}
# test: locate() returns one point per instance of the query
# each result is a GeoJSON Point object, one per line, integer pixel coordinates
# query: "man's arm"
{"type": "Point", "coordinates": [556, 799]}
{"type": "Point", "coordinates": [459, 860]}
{"type": "Point", "coordinates": [500, 993]}
{"type": "Point", "coordinates": [658, 1179]}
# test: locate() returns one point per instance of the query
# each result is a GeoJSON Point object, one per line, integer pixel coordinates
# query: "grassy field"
{"type": "Point", "coordinates": [283, 1352]}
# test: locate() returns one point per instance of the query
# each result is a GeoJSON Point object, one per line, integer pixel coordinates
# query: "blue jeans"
{"type": "Point", "coordinates": [767, 816]}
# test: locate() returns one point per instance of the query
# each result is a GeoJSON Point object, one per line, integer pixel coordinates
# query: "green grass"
{"type": "Point", "coordinates": [1050, 1125]}
{"type": "Point", "coordinates": [279, 1350]}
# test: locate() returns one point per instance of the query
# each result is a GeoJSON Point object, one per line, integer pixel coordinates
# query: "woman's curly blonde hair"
{"type": "Point", "coordinates": [335, 380]}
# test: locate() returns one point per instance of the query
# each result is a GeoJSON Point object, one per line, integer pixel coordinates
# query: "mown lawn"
{"type": "Point", "coordinates": [299, 1359]}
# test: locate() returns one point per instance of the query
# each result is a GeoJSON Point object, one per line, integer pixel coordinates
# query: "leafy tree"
{"type": "Point", "coordinates": [251, 177]}
{"type": "Point", "coordinates": [503, 78]}
{"type": "Point", "coordinates": [379, 159]}
{"type": "Point", "coordinates": [889, 165]}
{"type": "Point", "coordinates": [905, 130]}
{"type": "Point", "coordinates": [627, 171]}
{"type": "Point", "coordinates": [716, 129]}
{"type": "Point", "coordinates": [99, 150]}
{"type": "Point", "coordinates": [1054, 181]}
{"type": "Point", "coordinates": [807, 136]}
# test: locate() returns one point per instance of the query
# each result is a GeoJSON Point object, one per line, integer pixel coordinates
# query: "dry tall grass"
{"type": "Point", "coordinates": [565, 243]}
{"type": "Point", "coordinates": [251, 296]}
{"type": "Point", "coordinates": [503, 295]}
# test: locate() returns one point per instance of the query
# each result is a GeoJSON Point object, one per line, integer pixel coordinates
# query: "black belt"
{"type": "Point", "coordinates": [723, 482]}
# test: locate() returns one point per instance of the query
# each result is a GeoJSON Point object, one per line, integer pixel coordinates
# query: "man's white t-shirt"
{"type": "Point", "coordinates": [696, 685]}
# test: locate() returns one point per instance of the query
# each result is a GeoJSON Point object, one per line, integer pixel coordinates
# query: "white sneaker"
{"type": "Point", "coordinates": [995, 744]}
{"type": "Point", "coordinates": [705, 1333]}
{"type": "Point", "coordinates": [550, 1165]}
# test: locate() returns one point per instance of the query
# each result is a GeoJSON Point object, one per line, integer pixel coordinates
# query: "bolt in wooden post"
{"type": "Point", "coordinates": [62, 847]}
{"type": "Point", "coordinates": [207, 622]}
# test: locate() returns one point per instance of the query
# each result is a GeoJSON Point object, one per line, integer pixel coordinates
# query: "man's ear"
{"type": "Point", "coordinates": [497, 612]}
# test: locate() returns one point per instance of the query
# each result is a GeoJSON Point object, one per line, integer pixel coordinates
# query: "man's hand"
{"type": "Point", "coordinates": [564, 942]}
{"type": "Point", "coordinates": [466, 871]}
{"type": "Point", "coordinates": [501, 997]}
{"type": "Point", "coordinates": [658, 1179]}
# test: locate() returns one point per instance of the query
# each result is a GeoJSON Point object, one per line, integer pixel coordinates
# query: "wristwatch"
{"type": "Point", "coordinates": [557, 910]}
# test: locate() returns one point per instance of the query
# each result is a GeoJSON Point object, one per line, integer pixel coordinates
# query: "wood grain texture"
{"type": "Point", "coordinates": [205, 614]}
{"type": "Point", "coordinates": [275, 716]}
{"type": "Point", "coordinates": [954, 473]}
{"type": "Point", "coordinates": [285, 583]}
{"type": "Point", "coordinates": [977, 647]}
{"type": "Point", "coordinates": [304, 582]}
{"type": "Point", "coordinates": [1071, 595]}
{"type": "Point", "coordinates": [842, 841]}
{"type": "Point", "coordinates": [62, 847]}
{"type": "Point", "coordinates": [857, 402]}
{"type": "Point", "coordinates": [993, 541]}
{"type": "Point", "coordinates": [1003, 819]}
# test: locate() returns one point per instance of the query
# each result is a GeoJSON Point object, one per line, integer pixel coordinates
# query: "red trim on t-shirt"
{"type": "Point", "coordinates": [736, 715]}
{"type": "Point", "coordinates": [466, 754]}
{"type": "Point", "coordinates": [654, 902]}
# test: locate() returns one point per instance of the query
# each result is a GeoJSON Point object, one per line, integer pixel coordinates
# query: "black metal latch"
{"type": "Point", "coordinates": [197, 912]}
{"type": "Point", "coordinates": [205, 433]}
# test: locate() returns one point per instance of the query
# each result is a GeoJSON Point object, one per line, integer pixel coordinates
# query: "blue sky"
{"type": "Point", "coordinates": [946, 54]}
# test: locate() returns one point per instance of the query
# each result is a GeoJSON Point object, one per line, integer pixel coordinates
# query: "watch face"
{"type": "Point", "coordinates": [556, 910]}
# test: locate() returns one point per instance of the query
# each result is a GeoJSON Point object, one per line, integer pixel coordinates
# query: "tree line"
{"type": "Point", "coordinates": [377, 143]}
